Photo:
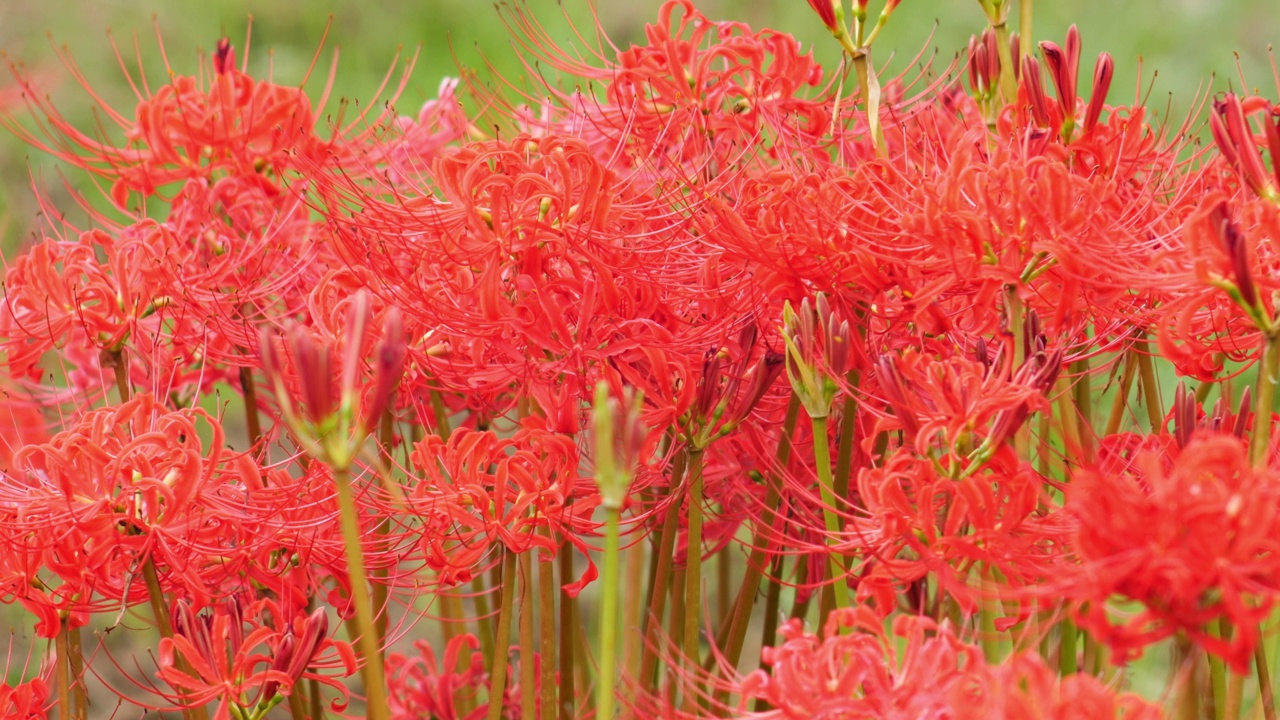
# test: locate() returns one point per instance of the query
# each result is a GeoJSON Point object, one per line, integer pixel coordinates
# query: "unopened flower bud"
{"type": "Point", "coordinates": [388, 367]}
{"type": "Point", "coordinates": [619, 441]}
{"type": "Point", "coordinates": [1233, 243]}
{"type": "Point", "coordinates": [828, 12]}
{"type": "Point", "coordinates": [224, 57]}
{"type": "Point", "coordinates": [1103, 70]}
{"type": "Point", "coordinates": [1235, 141]}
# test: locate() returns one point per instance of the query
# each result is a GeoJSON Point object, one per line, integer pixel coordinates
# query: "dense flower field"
{"type": "Point", "coordinates": [702, 381]}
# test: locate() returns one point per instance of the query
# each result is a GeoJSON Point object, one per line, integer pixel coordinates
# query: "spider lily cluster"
{"type": "Point", "coordinates": [724, 385]}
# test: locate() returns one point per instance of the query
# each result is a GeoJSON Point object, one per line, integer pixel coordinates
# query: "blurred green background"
{"type": "Point", "coordinates": [1185, 41]}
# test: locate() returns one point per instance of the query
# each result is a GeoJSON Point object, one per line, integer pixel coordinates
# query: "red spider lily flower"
{"type": "Point", "coordinates": [122, 486]}
{"type": "Point", "coordinates": [695, 94]}
{"type": "Point", "coordinates": [1024, 687]}
{"type": "Point", "coordinates": [30, 700]}
{"type": "Point", "coordinates": [420, 686]}
{"type": "Point", "coordinates": [478, 489]}
{"type": "Point", "coordinates": [253, 671]}
{"type": "Point", "coordinates": [918, 670]}
{"type": "Point", "coordinates": [954, 406]}
{"type": "Point", "coordinates": [919, 521]}
{"type": "Point", "coordinates": [864, 673]}
{"type": "Point", "coordinates": [425, 687]}
{"type": "Point", "coordinates": [1218, 281]}
{"type": "Point", "coordinates": [188, 128]}
{"type": "Point", "coordinates": [1188, 533]}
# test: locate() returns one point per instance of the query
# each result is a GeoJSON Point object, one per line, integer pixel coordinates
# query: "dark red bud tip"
{"type": "Point", "coordinates": [1233, 242]}
{"type": "Point", "coordinates": [388, 367]}
{"type": "Point", "coordinates": [1236, 133]}
{"type": "Point", "coordinates": [224, 58]}
{"type": "Point", "coordinates": [1034, 87]}
{"type": "Point", "coordinates": [315, 373]}
{"type": "Point", "coordinates": [1103, 71]}
{"type": "Point", "coordinates": [1063, 74]}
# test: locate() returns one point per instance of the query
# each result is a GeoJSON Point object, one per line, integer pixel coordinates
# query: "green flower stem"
{"type": "Point", "coordinates": [870, 88]}
{"type": "Point", "coordinates": [1218, 672]}
{"type": "Point", "coordinates": [298, 702]}
{"type": "Point", "coordinates": [1265, 392]}
{"type": "Point", "coordinates": [498, 663]}
{"type": "Point", "coordinates": [1008, 83]}
{"type": "Point", "coordinates": [547, 628]}
{"type": "Point", "coordinates": [848, 428]}
{"type": "Point", "coordinates": [675, 628]}
{"type": "Point", "coordinates": [62, 671]}
{"type": "Point", "coordinates": [822, 456]}
{"type": "Point", "coordinates": [370, 648]}
{"type": "Point", "coordinates": [528, 675]}
{"type": "Point", "coordinates": [1067, 648]}
{"type": "Point", "coordinates": [771, 604]}
{"type": "Point", "coordinates": [75, 653]}
{"type": "Point", "coordinates": [484, 620]}
{"type": "Point", "coordinates": [160, 608]}
{"type": "Point", "coordinates": [1150, 388]}
{"type": "Point", "coordinates": [568, 621]}
{"type": "Point", "coordinates": [1268, 376]}
{"type": "Point", "coordinates": [1024, 28]}
{"type": "Point", "coordinates": [1121, 401]}
{"type": "Point", "coordinates": [693, 572]}
{"type": "Point", "coordinates": [745, 602]}
{"type": "Point", "coordinates": [608, 618]}
{"type": "Point", "coordinates": [657, 595]}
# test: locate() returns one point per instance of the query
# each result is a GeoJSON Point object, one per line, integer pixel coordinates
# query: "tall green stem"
{"type": "Point", "coordinates": [693, 572]}
{"type": "Point", "coordinates": [657, 595]}
{"type": "Point", "coordinates": [370, 648]}
{"type": "Point", "coordinates": [830, 514]}
{"type": "Point", "coordinates": [498, 663]}
{"type": "Point", "coordinates": [547, 630]}
{"type": "Point", "coordinates": [771, 518]}
{"type": "Point", "coordinates": [568, 621]}
{"type": "Point", "coordinates": [528, 676]}
{"type": "Point", "coordinates": [1025, 37]}
{"type": "Point", "coordinates": [1268, 377]}
{"type": "Point", "coordinates": [608, 619]}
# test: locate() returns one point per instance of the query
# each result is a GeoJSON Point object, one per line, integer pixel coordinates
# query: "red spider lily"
{"type": "Point", "coordinates": [190, 127]}
{"type": "Point", "coordinates": [923, 522]}
{"type": "Point", "coordinates": [693, 98]}
{"type": "Point", "coordinates": [919, 670]}
{"type": "Point", "coordinates": [1188, 533]}
{"type": "Point", "coordinates": [1218, 278]}
{"type": "Point", "coordinates": [424, 688]}
{"type": "Point", "coordinates": [950, 407]}
{"type": "Point", "coordinates": [26, 701]}
{"type": "Point", "coordinates": [1025, 688]}
{"type": "Point", "coordinates": [478, 489]}
{"type": "Point", "coordinates": [248, 671]}
{"type": "Point", "coordinates": [124, 486]}
{"type": "Point", "coordinates": [910, 673]}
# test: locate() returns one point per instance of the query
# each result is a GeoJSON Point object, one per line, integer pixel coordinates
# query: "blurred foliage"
{"type": "Point", "coordinates": [1184, 41]}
